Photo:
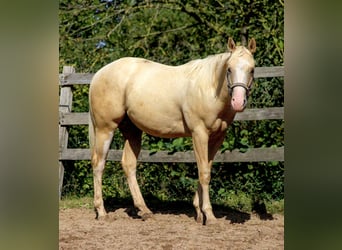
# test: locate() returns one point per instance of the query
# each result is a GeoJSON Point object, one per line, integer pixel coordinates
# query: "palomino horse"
{"type": "Point", "coordinates": [197, 99]}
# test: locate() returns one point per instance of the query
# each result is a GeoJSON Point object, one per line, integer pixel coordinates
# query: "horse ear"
{"type": "Point", "coordinates": [252, 45]}
{"type": "Point", "coordinates": [231, 44]}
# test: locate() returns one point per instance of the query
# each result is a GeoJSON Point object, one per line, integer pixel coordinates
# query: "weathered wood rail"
{"type": "Point", "coordinates": [67, 118]}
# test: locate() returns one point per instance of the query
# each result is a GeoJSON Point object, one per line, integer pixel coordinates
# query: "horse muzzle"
{"type": "Point", "coordinates": [239, 93]}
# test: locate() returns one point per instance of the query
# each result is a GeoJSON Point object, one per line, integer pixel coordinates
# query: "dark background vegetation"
{"type": "Point", "coordinates": [94, 33]}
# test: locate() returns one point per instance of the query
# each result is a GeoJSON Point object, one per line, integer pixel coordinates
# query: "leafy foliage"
{"type": "Point", "coordinates": [94, 33]}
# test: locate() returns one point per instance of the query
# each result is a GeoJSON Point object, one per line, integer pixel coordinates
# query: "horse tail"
{"type": "Point", "coordinates": [91, 131]}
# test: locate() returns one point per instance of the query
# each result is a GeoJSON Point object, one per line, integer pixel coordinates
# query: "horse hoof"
{"type": "Point", "coordinates": [100, 215]}
{"type": "Point", "coordinates": [146, 216]}
{"type": "Point", "coordinates": [199, 219]}
{"type": "Point", "coordinates": [101, 218]}
{"type": "Point", "coordinates": [211, 221]}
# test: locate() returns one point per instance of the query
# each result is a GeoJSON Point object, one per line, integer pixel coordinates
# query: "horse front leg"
{"type": "Point", "coordinates": [202, 200]}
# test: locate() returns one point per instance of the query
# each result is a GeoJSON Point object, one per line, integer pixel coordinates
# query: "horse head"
{"type": "Point", "coordinates": [240, 73]}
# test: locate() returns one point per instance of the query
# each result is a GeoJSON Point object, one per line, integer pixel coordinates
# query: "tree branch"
{"type": "Point", "coordinates": [166, 31]}
{"type": "Point", "coordinates": [199, 19]}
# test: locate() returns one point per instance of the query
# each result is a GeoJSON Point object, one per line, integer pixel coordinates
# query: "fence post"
{"type": "Point", "coordinates": [65, 105]}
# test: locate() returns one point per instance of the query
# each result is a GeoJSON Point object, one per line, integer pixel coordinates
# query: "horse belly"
{"type": "Point", "coordinates": [157, 121]}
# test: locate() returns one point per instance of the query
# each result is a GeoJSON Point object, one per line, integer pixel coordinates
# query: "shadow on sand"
{"type": "Point", "coordinates": [186, 208]}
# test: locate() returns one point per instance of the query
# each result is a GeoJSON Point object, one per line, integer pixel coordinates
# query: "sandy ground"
{"type": "Point", "coordinates": [170, 228]}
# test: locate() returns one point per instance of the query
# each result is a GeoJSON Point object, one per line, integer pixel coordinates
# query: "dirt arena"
{"type": "Point", "coordinates": [170, 228]}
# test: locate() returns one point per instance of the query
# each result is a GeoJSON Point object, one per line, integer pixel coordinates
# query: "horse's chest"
{"type": "Point", "coordinates": [219, 121]}
{"type": "Point", "coordinates": [218, 125]}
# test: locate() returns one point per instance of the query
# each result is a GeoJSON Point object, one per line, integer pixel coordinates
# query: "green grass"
{"type": "Point", "coordinates": [244, 203]}
{"type": "Point", "coordinates": [275, 207]}
{"type": "Point", "coordinates": [76, 202]}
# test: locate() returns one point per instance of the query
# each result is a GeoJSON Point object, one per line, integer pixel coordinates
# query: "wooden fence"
{"type": "Point", "coordinates": [68, 118]}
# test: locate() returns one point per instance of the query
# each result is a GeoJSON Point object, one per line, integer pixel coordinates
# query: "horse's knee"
{"type": "Point", "coordinates": [98, 167]}
{"type": "Point", "coordinates": [93, 159]}
{"type": "Point", "coordinates": [96, 161]}
{"type": "Point", "coordinates": [129, 166]}
{"type": "Point", "coordinates": [204, 177]}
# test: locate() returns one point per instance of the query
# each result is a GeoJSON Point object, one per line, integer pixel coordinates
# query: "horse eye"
{"type": "Point", "coordinates": [229, 70]}
{"type": "Point", "coordinates": [252, 71]}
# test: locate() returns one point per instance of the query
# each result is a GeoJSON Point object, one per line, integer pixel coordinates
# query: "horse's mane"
{"type": "Point", "coordinates": [204, 67]}
{"type": "Point", "coordinates": [203, 72]}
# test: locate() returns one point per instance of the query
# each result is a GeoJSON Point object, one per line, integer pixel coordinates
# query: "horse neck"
{"type": "Point", "coordinates": [220, 73]}
{"type": "Point", "coordinates": [209, 72]}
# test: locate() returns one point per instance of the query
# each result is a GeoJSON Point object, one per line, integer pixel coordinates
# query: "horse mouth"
{"type": "Point", "coordinates": [239, 100]}
{"type": "Point", "coordinates": [238, 107]}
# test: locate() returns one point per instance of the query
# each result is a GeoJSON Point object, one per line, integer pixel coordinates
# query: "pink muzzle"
{"type": "Point", "coordinates": [239, 98]}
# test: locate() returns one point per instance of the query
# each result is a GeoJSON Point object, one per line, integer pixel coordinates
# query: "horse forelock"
{"type": "Point", "coordinates": [241, 51]}
{"type": "Point", "coordinates": [241, 54]}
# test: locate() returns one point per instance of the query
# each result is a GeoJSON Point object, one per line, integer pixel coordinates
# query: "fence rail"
{"type": "Point", "coordinates": [68, 118]}
{"type": "Point", "coordinates": [252, 155]}
{"type": "Point", "coordinates": [72, 78]}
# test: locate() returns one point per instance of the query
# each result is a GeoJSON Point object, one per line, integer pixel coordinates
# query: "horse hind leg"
{"type": "Point", "coordinates": [197, 202]}
{"type": "Point", "coordinates": [130, 154]}
{"type": "Point", "coordinates": [101, 144]}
